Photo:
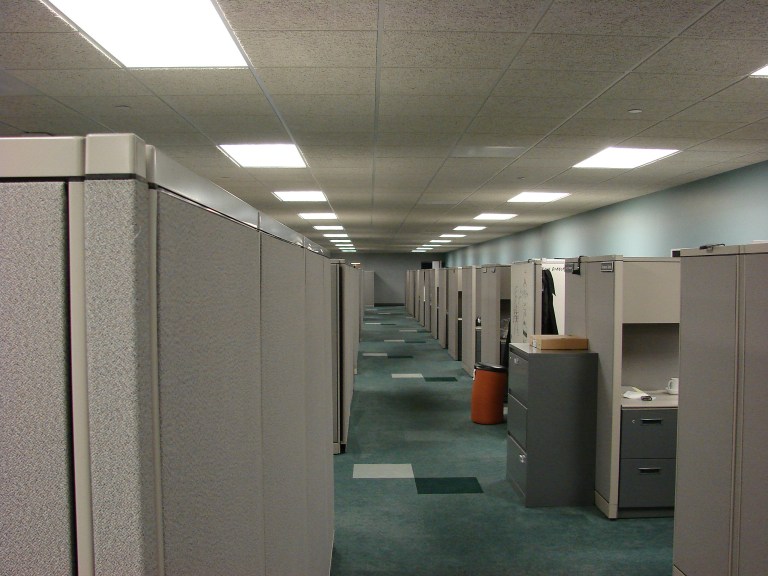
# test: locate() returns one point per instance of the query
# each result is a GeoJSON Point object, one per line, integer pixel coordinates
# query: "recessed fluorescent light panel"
{"type": "Point", "coordinates": [317, 215]}
{"type": "Point", "coordinates": [453, 235]}
{"type": "Point", "coordinates": [336, 235]}
{"type": "Point", "coordinates": [493, 216]}
{"type": "Point", "coordinates": [538, 196]}
{"type": "Point", "coordinates": [340, 241]}
{"type": "Point", "coordinates": [328, 227]}
{"type": "Point", "coordinates": [264, 155]}
{"type": "Point", "coordinates": [470, 228]}
{"type": "Point", "coordinates": [156, 33]}
{"type": "Point", "coordinates": [441, 241]}
{"type": "Point", "coordinates": [762, 73]}
{"type": "Point", "coordinates": [625, 157]}
{"type": "Point", "coordinates": [300, 196]}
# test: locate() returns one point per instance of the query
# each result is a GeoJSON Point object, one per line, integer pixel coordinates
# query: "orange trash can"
{"type": "Point", "coordinates": [488, 389]}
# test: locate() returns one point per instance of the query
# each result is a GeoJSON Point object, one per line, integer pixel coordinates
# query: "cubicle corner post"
{"type": "Point", "coordinates": [121, 336]}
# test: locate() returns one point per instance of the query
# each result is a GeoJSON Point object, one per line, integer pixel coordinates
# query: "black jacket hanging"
{"type": "Point", "coordinates": [548, 320]}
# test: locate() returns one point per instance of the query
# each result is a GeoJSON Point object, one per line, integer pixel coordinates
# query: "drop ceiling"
{"type": "Point", "coordinates": [414, 116]}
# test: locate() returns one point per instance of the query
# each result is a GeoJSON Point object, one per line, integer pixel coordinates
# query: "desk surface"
{"type": "Point", "coordinates": [661, 399]}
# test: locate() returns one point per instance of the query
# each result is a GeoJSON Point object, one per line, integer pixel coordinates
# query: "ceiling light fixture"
{"type": "Point", "coordinates": [440, 241]}
{"type": "Point", "coordinates": [470, 228]}
{"type": "Point", "coordinates": [317, 215]}
{"type": "Point", "coordinates": [300, 196]}
{"type": "Point", "coordinates": [625, 157]}
{"type": "Point", "coordinates": [336, 235]}
{"type": "Point", "coordinates": [762, 73]}
{"type": "Point", "coordinates": [538, 196]}
{"type": "Point", "coordinates": [174, 26]}
{"type": "Point", "coordinates": [340, 240]}
{"type": "Point", "coordinates": [494, 216]}
{"type": "Point", "coordinates": [264, 155]}
{"type": "Point", "coordinates": [453, 235]}
{"type": "Point", "coordinates": [328, 227]}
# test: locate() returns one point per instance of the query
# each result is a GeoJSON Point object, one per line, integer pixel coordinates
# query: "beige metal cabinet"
{"type": "Point", "coordinates": [721, 522]}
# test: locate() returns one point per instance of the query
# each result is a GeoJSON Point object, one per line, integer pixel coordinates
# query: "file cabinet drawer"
{"type": "Point", "coordinates": [517, 466]}
{"type": "Point", "coordinates": [647, 483]}
{"type": "Point", "coordinates": [517, 420]}
{"type": "Point", "coordinates": [648, 433]}
{"type": "Point", "coordinates": [517, 378]}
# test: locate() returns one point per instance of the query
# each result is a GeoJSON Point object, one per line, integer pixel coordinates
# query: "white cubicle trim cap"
{"type": "Point", "coordinates": [115, 155]}
{"type": "Point", "coordinates": [42, 157]}
{"type": "Point", "coordinates": [279, 230]}
{"type": "Point", "coordinates": [163, 172]}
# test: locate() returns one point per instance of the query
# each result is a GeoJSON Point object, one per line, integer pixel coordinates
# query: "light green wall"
{"type": "Point", "coordinates": [730, 208]}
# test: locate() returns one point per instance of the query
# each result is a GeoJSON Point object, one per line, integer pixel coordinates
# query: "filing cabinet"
{"type": "Point", "coordinates": [647, 464]}
{"type": "Point", "coordinates": [551, 425]}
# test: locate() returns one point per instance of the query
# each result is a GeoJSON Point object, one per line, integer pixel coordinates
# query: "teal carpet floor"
{"type": "Point", "coordinates": [421, 489]}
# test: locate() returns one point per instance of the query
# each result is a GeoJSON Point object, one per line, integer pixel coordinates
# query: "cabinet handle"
{"type": "Point", "coordinates": [649, 470]}
{"type": "Point", "coordinates": [644, 421]}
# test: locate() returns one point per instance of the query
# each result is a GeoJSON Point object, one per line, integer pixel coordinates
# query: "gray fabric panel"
{"type": "Point", "coordinates": [283, 406]}
{"type": "Point", "coordinates": [35, 447]}
{"type": "Point", "coordinates": [210, 392]}
{"type": "Point", "coordinates": [119, 377]}
{"type": "Point", "coordinates": [319, 406]}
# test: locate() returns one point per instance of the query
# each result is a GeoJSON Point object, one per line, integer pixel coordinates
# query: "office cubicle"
{"type": "Point", "coordinates": [527, 297]}
{"type": "Point", "coordinates": [494, 310]}
{"type": "Point", "coordinates": [172, 421]}
{"type": "Point", "coordinates": [453, 318]}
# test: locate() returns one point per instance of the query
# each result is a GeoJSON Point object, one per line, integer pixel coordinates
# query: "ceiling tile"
{"type": "Point", "coordinates": [753, 90]}
{"type": "Point", "coordinates": [200, 82]}
{"type": "Point", "coordinates": [579, 126]}
{"type": "Point", "coordinates": [241, 129]}
{"type": "Point", "coordinates": [682, 129]}
{"type": "Point", "coordinates": [26, 16]}
{"type": "Point", "coordinates": [310, 49]}
{"type": "Point", "coordinates": [468, 16]}
{"type": "Point", "coordinates": [448, 49]}
{"type": "Point", "coordinates": [84, 82]}
{"type": "Point", "coordinates": [15, 85]}
{"type": "Point", "coordinates": [733, 19]}
{"type": "Point", "coordinates": [555, 83]}
{"type": "Point", "coordinates": [712, 111]}
{"type": "Point", "coordinates": [438, 81]}
{"type": "Point", "coordinates": [434, 105]}
{"type": "Point", "coordinates": [141, 123]}
{"type": "Point", "coordinates": [689, 87]}
{"type": "Point", "coordinates": [117, 106]}
{"type": "Point", "coordinates": [431, 124]}
{"type": "Point", "coordinates": [66, 124]}
{"type": "Point", "coordinates": [416, 138]}
{"type": "Point", "coordinates": [337, 123]}
{"type": "Point", "coordinates": [501, 124]}
{"type": "Point", "coordinates": [651, 110]}
{"type": "Point", "coordinates": [45, 51]}
{"type": "Point", "coordinates": [324, 105]}
{"type": "Point", "coordinates": [301, 15]}
{"type": "Point", "coordinates": [413, 151]}
{"type": "Point", "coordinates": [332, 138]}
{"type": "Point", "coordinates": [708, 56]}
{"type": "Point", "coordinates": [319, 80]}
{"type": "Point", "coordinates": [581, 52]}
{"type": "Point", "coordinates": [622, 18]}
{"type": "Point", "coordinates": [31, 106]}
{"type": "Point", "coordinates": [523, 107]}
{"type": "Point", "coordinates": [235, 104]}
{"type": "Point", "coordinates": [756, 131]}
{"type": "Point", "coordinates": [732, 145]}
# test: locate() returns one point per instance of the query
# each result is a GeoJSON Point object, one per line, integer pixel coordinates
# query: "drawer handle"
{"type": "Point", "coordinates": [649, 470]}
{"type": "Point", "coordinates": [644, 421]}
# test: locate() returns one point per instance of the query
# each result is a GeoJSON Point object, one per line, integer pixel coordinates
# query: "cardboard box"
{"type": "Point", "coordinates": [559, 342]}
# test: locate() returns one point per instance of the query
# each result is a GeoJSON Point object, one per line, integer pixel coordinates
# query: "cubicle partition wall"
{"type": "Point", "coordinates": [527, 297]}
{"type": "Point", "coordinates": [440, 331]}
{"type": "Point", "coordinates": [494, 309]}
{"type": "Point", "coordinates": [345, 281]}
{"type": "Point", "coordinates": [429, 300]}
{"type": "Point", "coordinates": [469, 313]}
{"type": "Point", "coordinates": [410, 292]}
{"type": "Point", "coordinates": [36, 503]}
{"type": "Point", "coordinates": [421, 295]}
{"type": "Point", "coordinates": [435, 312]}
{"type": "Point", "coordinates": [629, 309]}
{"type": "Point", "coordinates": [369, 281]}
{"type": "Point", "coordinates": [453, 318]}
{"type": "Point", "coordinates": [164, 420]}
